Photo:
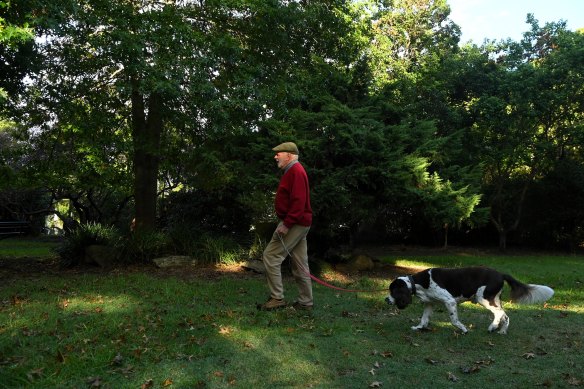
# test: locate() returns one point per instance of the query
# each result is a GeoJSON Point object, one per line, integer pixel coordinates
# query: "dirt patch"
{"type": "Point", "coordinates": [26, 267]}
{"type": "Point", "coordinates": [12, 268]}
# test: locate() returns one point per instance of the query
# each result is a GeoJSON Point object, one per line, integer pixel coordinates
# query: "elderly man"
{"type": "Point", "coordinates": [292, 205]}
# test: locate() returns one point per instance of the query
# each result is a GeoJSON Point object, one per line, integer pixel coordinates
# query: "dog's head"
{"type": "Point", "coordinates": [399, 294]}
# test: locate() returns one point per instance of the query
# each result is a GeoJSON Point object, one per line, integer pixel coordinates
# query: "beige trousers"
{"type": "Point", "coordinates": [275, 253]}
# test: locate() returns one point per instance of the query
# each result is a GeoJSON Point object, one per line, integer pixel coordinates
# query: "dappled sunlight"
{"type": "Point", "coordinates": [99, 304]}
{"type": "Point", "coordinates": [201, 328]}
{"type": "Point", "coordinates": [415, 265]}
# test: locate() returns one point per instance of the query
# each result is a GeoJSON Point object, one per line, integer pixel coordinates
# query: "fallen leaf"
{"type": "Point", "coordinates": [94, 382]}
{"type": "Point", "coordinates": [469, 370]}
{"type": "Point", "coordinates": [118, 360]}
{"type": "Point", "coordinates": [452, 377]}
{"type": "Point", "coordinates": [431, 361]}
{"type": "Point", "coordinates": [60, 356]}
{"type": "Point", "coordinates": [573, 381]}
{"type": "Point", "coordinates": [35, 373]}
{"type": "Point", "coordinates": [375, 384]}
{"type": "Point", "coordinates": [218, 373]}
{"type": "Point", "coordinates": [148, 384]}
{"type": "Point", "coordinates": [376, 365]}
{"type": "Point", "coordinates": [387, 354]}
{"type": "Point", "coordinates": [528, 355]}
{"type": "Point", "coordinates": [372, 371]}
{"type": "Point", "coordinates": [167, 382]}
{"type": "Point", "coordinates": [486, 362]}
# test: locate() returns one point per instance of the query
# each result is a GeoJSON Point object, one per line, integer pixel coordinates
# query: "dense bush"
{"type": "Point", "coordinates": [72, 248]}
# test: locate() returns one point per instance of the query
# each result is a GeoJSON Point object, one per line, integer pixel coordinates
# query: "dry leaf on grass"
{"type": "Point", "coordinates": [35, 373]}
{"type": "Point", "coordinates": [118, 360]}
{"type": "Point", "coordinates": [528, 355]}
{"type": "Point", "coordinates": [94, 382]}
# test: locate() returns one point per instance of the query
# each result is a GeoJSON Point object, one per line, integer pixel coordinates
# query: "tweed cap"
{"type": "Point", "coordinates": [287, 147]}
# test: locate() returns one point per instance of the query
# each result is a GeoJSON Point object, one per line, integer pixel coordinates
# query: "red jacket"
{"type": "Point", "coordinates": [293, 197]}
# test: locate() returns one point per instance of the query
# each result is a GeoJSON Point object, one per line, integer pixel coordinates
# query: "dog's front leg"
{"type": "Point", "coordinates": [428, 309]}
{"type": "Point", "coordinates": [451, 306]}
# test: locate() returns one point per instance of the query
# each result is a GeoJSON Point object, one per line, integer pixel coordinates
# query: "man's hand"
{"type": "Point", "coordinates": [282, 229]}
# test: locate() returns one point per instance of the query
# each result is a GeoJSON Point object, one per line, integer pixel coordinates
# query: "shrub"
{"type": "Point", "coordinates": [145, 246]}
{"type": "Point", "coordinates": [219, 249]}
{"type": "Point", "coordinates": [72, 248]}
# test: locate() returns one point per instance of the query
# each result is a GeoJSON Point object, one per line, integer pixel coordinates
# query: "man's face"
{"type": "Point", "coordinates": [283, 159]}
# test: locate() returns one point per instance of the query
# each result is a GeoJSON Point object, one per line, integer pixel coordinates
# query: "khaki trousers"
{"type": "Point", "coordinates": [274, 255]}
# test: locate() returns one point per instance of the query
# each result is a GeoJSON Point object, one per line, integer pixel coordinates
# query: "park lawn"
{"type": "Point", "coordinates": [140, 330]}
{"type": "Point", "coordinates": [27, 247]}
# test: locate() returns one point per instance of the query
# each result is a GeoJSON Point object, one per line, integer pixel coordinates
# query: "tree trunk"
{"type": "Point", "coordinates": [146, 140]}
{"type": "Point", "coordinates": [445, 235]}
{"type": "Point", "coordinates": [502, 240]}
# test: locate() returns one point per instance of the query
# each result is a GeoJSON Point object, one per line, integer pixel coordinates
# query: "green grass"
{"type": "Point", "coordinates": [135, 330]}
{"type": "Point", "coordinates": [26, 247]}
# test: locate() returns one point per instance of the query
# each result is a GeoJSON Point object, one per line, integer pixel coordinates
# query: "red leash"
{"type": "Point", "coordinates": [324, 283]}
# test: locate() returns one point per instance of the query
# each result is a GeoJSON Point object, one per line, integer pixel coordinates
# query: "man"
{"type": "Point", "coordinates": [292, 205]}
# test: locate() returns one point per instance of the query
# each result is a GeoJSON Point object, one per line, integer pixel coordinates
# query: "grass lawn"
{"type": "Point", "coordinates": [26, 247]}
{"type": "Point", "coordinates": [148, 329]}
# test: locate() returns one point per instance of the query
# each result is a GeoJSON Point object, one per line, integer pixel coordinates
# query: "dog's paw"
{"type": "Point", "coordinates": [420, 328]}
{"type": "Point", "coordinates": [463, 330]}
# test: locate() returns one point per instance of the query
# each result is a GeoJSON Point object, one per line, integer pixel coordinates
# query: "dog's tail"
{"type": "Point", "coordinates": [528, 293]}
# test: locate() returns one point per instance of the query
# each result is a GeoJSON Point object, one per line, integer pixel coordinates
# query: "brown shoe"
{"type": "Point", "coordinates": [272, 304]}
{"type": "Point", "coordinates": [302, 307]}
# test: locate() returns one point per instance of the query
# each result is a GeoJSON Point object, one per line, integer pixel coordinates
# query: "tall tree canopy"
{"type": "Point", "coordinates": [178, 103]}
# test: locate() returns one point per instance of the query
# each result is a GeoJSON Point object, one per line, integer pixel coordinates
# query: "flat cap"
{"type": "Point", "coordinates": [287, 147]}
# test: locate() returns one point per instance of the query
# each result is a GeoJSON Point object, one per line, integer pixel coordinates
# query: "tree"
{"type": "Point", "coordinates": [523, 127]}
{"type": "Point", "coordinates": [177, 70]}
{"type": "Point", "coordinates": [15, 41]}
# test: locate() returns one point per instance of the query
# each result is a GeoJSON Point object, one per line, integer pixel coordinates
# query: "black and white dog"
{"type": "Point", "coordinates": [450, 287]}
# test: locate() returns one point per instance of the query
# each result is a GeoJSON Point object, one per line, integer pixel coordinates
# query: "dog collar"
{"type": "Point", "coordinates": [411, 279]}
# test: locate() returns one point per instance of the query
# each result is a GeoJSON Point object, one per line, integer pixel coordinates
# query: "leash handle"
{"type": "Point", "coordinates": [324, 283]}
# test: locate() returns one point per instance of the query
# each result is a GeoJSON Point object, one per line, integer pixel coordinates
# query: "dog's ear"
{"type": "Point", "coordinates": [403, 298]}
{"type": "Point", "coordinates": [401, 294]}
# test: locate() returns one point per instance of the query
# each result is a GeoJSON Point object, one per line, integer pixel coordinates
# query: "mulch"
{"type": "Point", "coordinates": [23, 267]}
{"type": "Point", "coordinates": [28, 267]}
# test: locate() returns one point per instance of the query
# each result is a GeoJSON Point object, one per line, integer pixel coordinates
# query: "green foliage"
{"type": "Point", "coordinates": [397, 124]}
{"type": "Point", "coordinates": [219, 250]}
{"type": "Point", "coordinates": [72, 248]}
{"type": "Point", "coordinates": [143, 246]}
